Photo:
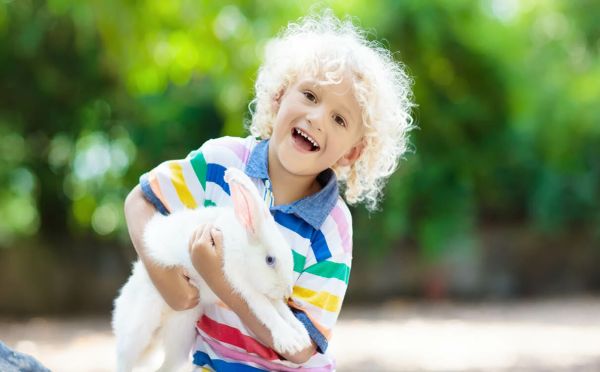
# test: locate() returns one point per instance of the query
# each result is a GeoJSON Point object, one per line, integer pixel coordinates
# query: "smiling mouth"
{"type": "Point", "coordinates": [304, 140]}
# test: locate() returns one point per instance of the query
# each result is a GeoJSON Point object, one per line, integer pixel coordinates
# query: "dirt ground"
{"type": "Point", "coordinates": [545, 335]}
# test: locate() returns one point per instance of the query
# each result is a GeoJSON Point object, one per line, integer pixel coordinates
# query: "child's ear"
{"type": "Point", "coordinates": [352, 155]}
{"type": "Point", "coordinates": [277, 99]}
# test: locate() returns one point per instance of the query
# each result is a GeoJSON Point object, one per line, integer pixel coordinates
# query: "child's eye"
{"type": "Point", "coordinates": [340, 120]}
{"type": "Point", "coordinates": [310, 96]}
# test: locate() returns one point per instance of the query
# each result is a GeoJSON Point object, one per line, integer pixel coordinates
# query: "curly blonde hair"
{"type": "Point", "coordinates": [328, 48]}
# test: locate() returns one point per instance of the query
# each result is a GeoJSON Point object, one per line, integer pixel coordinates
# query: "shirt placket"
{"type": "Point", "coordinates": [268, 194]}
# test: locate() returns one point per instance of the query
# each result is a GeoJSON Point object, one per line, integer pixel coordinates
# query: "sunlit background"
{"type": "Point", "coordinates": [497, 202]}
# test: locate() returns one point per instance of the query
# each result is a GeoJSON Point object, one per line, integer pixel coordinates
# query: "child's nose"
{"type": "Point", "coordinates": [316, 118]}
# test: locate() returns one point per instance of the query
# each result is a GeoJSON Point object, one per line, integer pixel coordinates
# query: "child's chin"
{"type": "Point", "coordinates": [297, 167]}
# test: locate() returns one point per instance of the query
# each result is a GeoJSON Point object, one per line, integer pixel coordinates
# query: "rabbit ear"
{"type": "Point", "coordinates": [244, 207]}
{"type": "Point", "coordinates": [247, 204]}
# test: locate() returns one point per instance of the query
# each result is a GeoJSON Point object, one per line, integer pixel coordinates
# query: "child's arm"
{"type": "Point", "coordinates": [171, 283]}
{"type": "Point", "coordinates": [207, 259]}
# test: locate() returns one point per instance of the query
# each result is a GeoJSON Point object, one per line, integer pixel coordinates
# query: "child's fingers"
{"type": "Point", "coordinates": [191, 241]}
{"type": "Point", "coordinates": [191, 294]}
{"type": "Point", "coordinates": [201, 238]}
{"type": "Point", "coordinates": [198, 233]}
{"type": "Point", "coordinates": [206, 238]}
{"type": "Point", "coordinates": [185, 274]}
{"type": "Point", "coordinates": [217, 237]}
{"type": "Point", "coordinates": [195, 236]}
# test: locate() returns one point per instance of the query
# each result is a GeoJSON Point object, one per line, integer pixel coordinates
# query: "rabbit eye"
{"type": "Point", "coordinates": [270, 260]}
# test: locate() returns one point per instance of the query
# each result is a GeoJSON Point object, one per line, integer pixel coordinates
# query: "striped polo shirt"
{"type": "Point", "coordinates": [318, 228]}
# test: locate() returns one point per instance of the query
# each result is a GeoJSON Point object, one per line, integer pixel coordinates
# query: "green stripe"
{"type": "Point", "coordinates": [209, 203]}
{"type": "Point", "coordinates": [299, 261]}
{"type": "Point", "coordinates": [199, 165]}
{"type": "Point", "coordinates": [328, 269]}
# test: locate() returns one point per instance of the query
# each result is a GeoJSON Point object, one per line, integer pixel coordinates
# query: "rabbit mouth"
{"type": "Point", "coordinates": [278, 293]}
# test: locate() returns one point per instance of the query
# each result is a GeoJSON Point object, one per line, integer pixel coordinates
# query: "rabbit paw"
{"type": "Point", "coordinates": [290, 340]}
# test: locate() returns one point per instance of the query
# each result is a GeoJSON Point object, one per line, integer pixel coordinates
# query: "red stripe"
{"type": "Point", "coordinates": [233, 336]}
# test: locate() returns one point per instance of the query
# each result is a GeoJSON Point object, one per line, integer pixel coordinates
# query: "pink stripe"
{"type": "Point", "coordinates": [342, 227]}
{"type": "Point", "coordinates": [239, 149]}
{"type": "Point", "coordinates": [248, 358]}
{"type": "Point", "coordinates": [228, 334]}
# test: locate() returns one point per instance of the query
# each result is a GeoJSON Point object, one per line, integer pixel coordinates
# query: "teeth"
{"type": "Point", "coordinates": [315, 144]}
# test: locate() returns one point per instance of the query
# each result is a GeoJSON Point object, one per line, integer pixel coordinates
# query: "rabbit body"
{"type": "Point", "coordinates": [257, 262]}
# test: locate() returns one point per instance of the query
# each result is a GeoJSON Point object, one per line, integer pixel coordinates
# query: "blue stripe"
{"type": "Point", "coordinates": [297, 225]}
{"type": "Point", "coordinates": [313, 332]}
{"type": "Point", "coordinates": [202, 359]}
{"type": "Point", "coordinates": [305, 230]}
{"type": "Point", "coordinates": [319, 246]}
{"type": "Point", "coordinates": [215, 173]}
{"type": "Point", "coordinates": [150, 196]}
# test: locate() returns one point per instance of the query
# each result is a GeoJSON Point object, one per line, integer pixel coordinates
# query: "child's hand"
{"type": "Point", "coordinates": [174, 286]}
{"type": "Point", "coordinates": [206, 252]}
{"type": "Point", "coordinates": [188, 296]}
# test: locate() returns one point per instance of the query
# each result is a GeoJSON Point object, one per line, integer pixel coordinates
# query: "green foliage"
{"type": "Point", "coordinates": [93, 94]}
{"type": "Point", "coordinates": [508, 120]}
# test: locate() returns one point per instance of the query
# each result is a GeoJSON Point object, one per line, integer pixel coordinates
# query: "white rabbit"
{"type": "Point", "coordinates": [257, 261]}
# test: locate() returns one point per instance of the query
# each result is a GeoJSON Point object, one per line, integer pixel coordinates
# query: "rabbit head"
{"type": "Point", "coordinates": [256, 253]}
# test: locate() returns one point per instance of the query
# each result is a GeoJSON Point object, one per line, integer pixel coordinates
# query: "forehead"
{"type": "Point", "coordinates": [339, 89]}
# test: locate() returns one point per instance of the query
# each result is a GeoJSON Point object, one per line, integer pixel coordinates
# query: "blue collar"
{"type": "Point", "coordinates": [314, 208]}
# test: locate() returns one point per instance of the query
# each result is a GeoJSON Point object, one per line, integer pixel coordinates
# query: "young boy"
{"type": "Point", "coordinates": [330, 107]}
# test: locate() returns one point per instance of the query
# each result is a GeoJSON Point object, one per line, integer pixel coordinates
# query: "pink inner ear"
{"type": "Point", "coordinates": [242, 205]}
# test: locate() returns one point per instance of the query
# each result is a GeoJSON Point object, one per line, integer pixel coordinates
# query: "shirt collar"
{"type": "Point", "coordinates": [314, 208]}
{"type": "Point", "coordinates": [258, 162]}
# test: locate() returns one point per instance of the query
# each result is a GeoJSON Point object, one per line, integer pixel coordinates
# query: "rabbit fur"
{"type": "Point", "coordinates": [257, 262]}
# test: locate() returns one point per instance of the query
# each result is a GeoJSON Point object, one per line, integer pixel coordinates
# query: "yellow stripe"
{"type": "Point", "coordinates": [324, 300]}
{"type": "Point", "coordinates": [180, 187]}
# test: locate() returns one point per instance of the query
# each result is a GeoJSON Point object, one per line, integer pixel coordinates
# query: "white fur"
{"type": "Point", "coordinates": [141, 314]}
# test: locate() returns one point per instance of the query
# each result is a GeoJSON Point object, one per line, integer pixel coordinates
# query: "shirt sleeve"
{"type": "Point", "coordinates": [177, 184]}
{"type": "Point", "coordinates": [318, 295]}
{"type": "Point", "coordinates": [322, 283]}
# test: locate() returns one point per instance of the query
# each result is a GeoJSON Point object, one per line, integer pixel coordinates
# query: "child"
{"type": "Point", "coordinates": [330, 107]}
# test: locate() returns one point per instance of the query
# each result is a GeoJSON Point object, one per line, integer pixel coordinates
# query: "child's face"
{"type": "Point", "coordinates": [328, 114]}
